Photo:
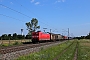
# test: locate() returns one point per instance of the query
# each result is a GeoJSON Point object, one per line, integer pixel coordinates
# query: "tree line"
{"type": "Point", "coordinates": [32, 26]}
{"type": "Point", "coordinates": [14, 36]}
{"type": "Point", "coordinates": [83, 37]}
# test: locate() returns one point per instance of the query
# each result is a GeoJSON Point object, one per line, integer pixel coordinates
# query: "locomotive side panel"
{"type": "Point", "coordinates": [44, 36]}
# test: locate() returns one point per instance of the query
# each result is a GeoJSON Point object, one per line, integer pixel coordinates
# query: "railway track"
{"type": "Point", "coordinates": [21, 47]}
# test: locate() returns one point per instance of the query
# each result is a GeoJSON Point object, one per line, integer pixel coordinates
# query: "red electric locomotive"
{"type": "Point", "coordinates": [40, 36]}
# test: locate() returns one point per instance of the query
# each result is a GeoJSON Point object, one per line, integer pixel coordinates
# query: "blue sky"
{"type": "Point", "coordinates": [58, 15]}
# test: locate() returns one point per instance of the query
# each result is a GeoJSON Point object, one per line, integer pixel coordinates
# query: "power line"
{"type": "Point", "coordinates": [11, 17]}
{"type": "Point", "coordinates": [15, 10]}
{"type": "Point", "coordinates": [18, 11]}
{"type": "Point", "coordinates": [29, 11]}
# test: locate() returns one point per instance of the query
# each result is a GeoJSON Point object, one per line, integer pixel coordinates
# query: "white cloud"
{"type": "Point", "coordinates": [63, 0]}
{"type": "Point", "coordinates": [11, 2]}
{"type": "Point", "coordinates": [37, 3]}
{"type": "Point", "coordinates": [32, 1]}
{"type": "Point", "coordinates": [58, 1]}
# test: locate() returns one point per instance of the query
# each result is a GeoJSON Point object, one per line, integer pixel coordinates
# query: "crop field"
{"type": "Point", "coordinates": [11, 42]}
{"type": "Point", "coordinates": [84, 50]}
{"type": "Point", "coordinates": [70, 50]}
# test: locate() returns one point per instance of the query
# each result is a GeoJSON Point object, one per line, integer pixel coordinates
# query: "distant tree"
{"type": "Point", "coordinates": [28, 37]}
{"type": "Point", "coordinates": [32, 26]}
{"type": "Point", "coordinates": [4, 37]}
{"type": "Point", "coordinates": [20, 36]}
{"type": "Point", "coordinates": [9, 36]}
{"type": "Point", "coordinates": [83, 37]}
{"type": "Point", "coordinates": [15, 36]}
{"type": "Point", "coordinates": [0, 37]}
{"type": "Point", "coordinates": [88, 36]}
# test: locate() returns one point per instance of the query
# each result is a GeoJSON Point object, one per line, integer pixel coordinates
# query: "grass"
{"type": "Point", "coordinates": [69, 54]}
{"type": "Point", "coordinates": [48, 54]}
{"type": "Point", "coordinates": [84, 50]}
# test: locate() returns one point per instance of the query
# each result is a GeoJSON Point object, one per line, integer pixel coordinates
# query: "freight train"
{"type": "Point", "coordinates": [41, 36]}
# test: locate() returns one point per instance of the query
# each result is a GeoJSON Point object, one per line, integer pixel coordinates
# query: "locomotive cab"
{"type": "Point", "coordinates": [35, 36]}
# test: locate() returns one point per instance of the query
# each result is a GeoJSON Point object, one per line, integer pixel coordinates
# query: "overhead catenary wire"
{"type": "Point", "coordinates": [15, 11]}
{"type": "Point", "coordinates": [12, 17]}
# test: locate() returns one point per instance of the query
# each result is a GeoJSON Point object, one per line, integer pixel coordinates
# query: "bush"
{"type": "Point", "coordinates": [4, 45]}
{"type": "Point", "coordinates": [16, 43]}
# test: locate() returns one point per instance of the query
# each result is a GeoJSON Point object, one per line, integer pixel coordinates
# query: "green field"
{"type": "Point", "coordinates": [84, 50]}
{"type": "Point", "coordinates": [64, 51]}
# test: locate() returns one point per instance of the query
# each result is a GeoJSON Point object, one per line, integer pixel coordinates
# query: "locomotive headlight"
{"type": "Point", "coordinates": [33, 36]}
{"type": "Point", "coordinates": [36, 36]}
